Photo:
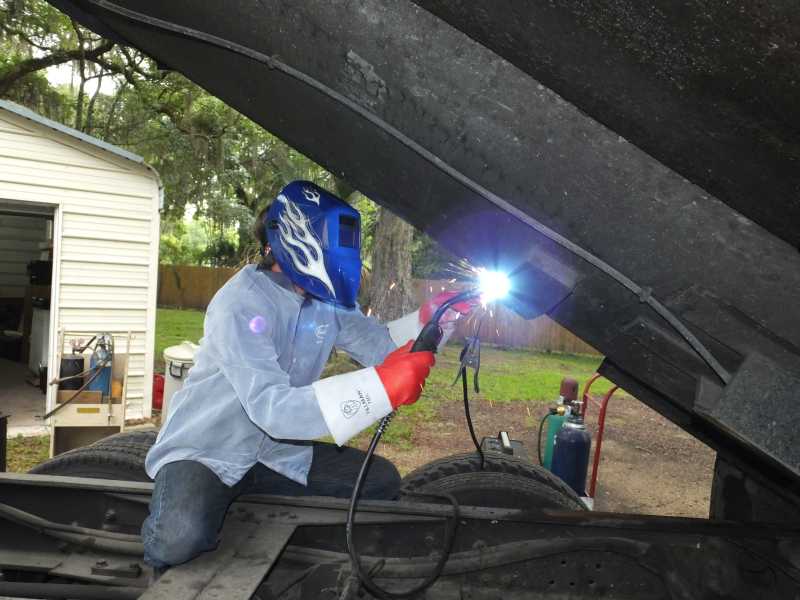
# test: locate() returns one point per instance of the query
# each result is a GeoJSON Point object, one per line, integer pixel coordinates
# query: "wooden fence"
{"type": "Point", "coordinates": [182, 286]}
{"type": "Point", "coordinates": [193, 287]}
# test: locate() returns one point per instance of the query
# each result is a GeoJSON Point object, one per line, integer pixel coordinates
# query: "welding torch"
{"type": "Point", "coordinates": [492, 285]}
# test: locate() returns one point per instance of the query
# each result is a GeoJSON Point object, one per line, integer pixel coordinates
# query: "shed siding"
{"type": "Point", "coordinates": [108, 236]}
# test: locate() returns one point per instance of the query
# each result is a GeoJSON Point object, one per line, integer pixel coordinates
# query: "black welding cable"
{"type": "Point", "coordinates": [355, 560]}
{"type": "Point", "coordinates": [61, 380]}
{"type": "Point", "coordinates": [475, 441]}
{"type": "Point", "coordinates": [643, 293]}
{"type": "Point", "coordinates": [539, 439]}
{"type": "Point", "coordinates": [427, 340]}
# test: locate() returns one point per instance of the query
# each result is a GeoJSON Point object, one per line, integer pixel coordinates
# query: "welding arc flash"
{"type": "Point", "coordinates": [493, 285]}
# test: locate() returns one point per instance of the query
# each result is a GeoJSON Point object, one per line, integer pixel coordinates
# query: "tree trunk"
{"type": "Point", "coordinates": [391, 289]}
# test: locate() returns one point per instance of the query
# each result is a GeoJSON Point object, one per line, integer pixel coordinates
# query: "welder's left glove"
{"type": "Point", "coordinates": [409, 326]}
{"type": "Point", "coordinates": [354, 401]}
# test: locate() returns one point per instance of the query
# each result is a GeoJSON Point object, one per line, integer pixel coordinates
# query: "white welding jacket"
{"type": "Point", "coordinates": [249, 396]}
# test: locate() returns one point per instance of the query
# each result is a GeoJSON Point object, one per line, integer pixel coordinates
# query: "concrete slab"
{"type": "Point", "coordinates": [21, 400]}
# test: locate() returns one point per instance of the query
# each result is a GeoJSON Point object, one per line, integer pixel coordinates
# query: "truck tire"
{"type": "Point", "coordinates": [506, 482]}
{"type": "Point", "coordinates": [135, 443]}
{"type": "Point", "coordinates": [120, 457]}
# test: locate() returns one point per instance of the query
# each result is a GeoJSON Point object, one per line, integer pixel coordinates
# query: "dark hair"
{"type": "Point", "coordinates": [260, 233]}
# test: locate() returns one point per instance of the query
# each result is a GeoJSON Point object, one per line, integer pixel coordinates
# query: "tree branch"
{"type": "Point", "coordinates": [10, 31]}
{"type": "Point", "coordinates": [57, 57]}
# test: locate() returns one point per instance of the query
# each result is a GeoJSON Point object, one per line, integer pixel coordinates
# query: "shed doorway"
{"type": "Point", "coordinates": [26, 267]}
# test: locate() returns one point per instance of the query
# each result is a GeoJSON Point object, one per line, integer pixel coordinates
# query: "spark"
{"type": "Point", "coordinates": [369, 311]}
{"type": "Point", "coordinates": [462, 268]}
{"type": "Point", "coordinates": [470, 317]}
{"type": "Point", "coordinates": [453, 280]}
{"type": "Point", "coordinates": [477, 325]}
{"type": "Point", "coordinates": [392, 286]}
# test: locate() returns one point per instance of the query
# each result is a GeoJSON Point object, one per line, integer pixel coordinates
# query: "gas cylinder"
{"type": "Point", "coordinates": [102, 382]}
{"type": "Point", "coordinates": [71, 365]}
{"type": "Point", "coordinates": [567, 395]}
{"type": "Point", "coordinates": [571, 453]}
{"type": "Point", "coordinates": [554, 424]}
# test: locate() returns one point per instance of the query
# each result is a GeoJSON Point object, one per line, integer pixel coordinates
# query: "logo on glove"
{"type": "Point", "coordinates": [351, 407]}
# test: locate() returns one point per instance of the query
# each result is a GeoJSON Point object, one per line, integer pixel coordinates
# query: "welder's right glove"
{"type": "Point", "coordinates": [403, 374]}
{"type": "Point", "coordinates": [353, 401]}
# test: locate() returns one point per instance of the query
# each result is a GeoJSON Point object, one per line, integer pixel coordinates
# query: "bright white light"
{"type": "Point", "coordinates": [493, 285]}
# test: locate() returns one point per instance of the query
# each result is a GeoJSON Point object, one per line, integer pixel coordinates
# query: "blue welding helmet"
{"type": "Point", "coordinates": [316, 240]}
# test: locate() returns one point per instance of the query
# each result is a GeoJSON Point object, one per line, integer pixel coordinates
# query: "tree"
{"type": "Point", "coordinates": [391, 289]}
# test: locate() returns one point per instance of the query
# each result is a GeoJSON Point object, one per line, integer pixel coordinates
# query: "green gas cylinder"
{"type": "Point", "coordinates": [554, 423]}
{"type": "Point", "coordinates": [567, 395]}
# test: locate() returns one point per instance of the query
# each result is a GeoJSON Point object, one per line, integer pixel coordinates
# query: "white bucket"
{"type": "Point", "coordinates": [179, 359]}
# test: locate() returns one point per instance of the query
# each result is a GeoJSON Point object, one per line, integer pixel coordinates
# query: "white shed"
{"type": "Point", "coordinates": [93, 208]}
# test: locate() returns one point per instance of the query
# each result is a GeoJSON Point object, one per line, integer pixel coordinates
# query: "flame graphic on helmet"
{"type": "Point", "coordinates": [299, 240]}
{"type": "Point", "coordinates": [311, 195]}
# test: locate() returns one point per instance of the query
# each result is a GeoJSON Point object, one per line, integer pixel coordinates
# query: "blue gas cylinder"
{"type": "Point", "coordinates": [571, 454]}
{"type": "Point", "coordinates": [101, 383]}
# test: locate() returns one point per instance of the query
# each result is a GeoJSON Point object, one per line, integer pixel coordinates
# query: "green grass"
{"type": "Point", "coordinates": [26, 452]}
{"type": "Point", "coordinates": [174, 326]}
{"type": "Point", "coordinates": [514, 375]}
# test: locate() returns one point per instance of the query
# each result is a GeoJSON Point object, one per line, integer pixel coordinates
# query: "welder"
{"type": "Point", "coordinates": [252, 409]}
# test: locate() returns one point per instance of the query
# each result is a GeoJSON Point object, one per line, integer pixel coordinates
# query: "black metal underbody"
{"type": "Point", "coordinates": [295, 545]}
{"type": "Point", "coordinates": [452, 119]}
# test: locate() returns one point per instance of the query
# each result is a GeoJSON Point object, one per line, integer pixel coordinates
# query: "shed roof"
{"type": "Point", "coordinates": [36, 118]}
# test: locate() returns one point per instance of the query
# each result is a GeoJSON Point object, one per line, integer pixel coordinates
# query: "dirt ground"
{"type": "Point", "coordinates": [648, 465]}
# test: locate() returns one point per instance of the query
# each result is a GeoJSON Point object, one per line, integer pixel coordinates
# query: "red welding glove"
{"type": "Point", "coordinates": [408, 327]}
{"type": "Point", "coordinates": [403, 374]}
{"type": "Point", "coordinates": [353, 401]}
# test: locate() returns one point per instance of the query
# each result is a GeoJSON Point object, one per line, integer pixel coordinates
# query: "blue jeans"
{"type": "Point", "coordinates": [189, 501]}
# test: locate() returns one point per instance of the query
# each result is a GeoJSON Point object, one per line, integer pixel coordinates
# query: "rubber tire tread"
{"type": "Point", "coordinates": [120, 456]}
{"type": "Point", "coordinates": [453, 473]}
{"type": "Point", "coordinates": [135, 443]}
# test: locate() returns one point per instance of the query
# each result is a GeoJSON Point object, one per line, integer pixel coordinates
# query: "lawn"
{"type": "Point", "coordinates": [174, 326]}
{"type": "Point", "coordinates": [26, 452]}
